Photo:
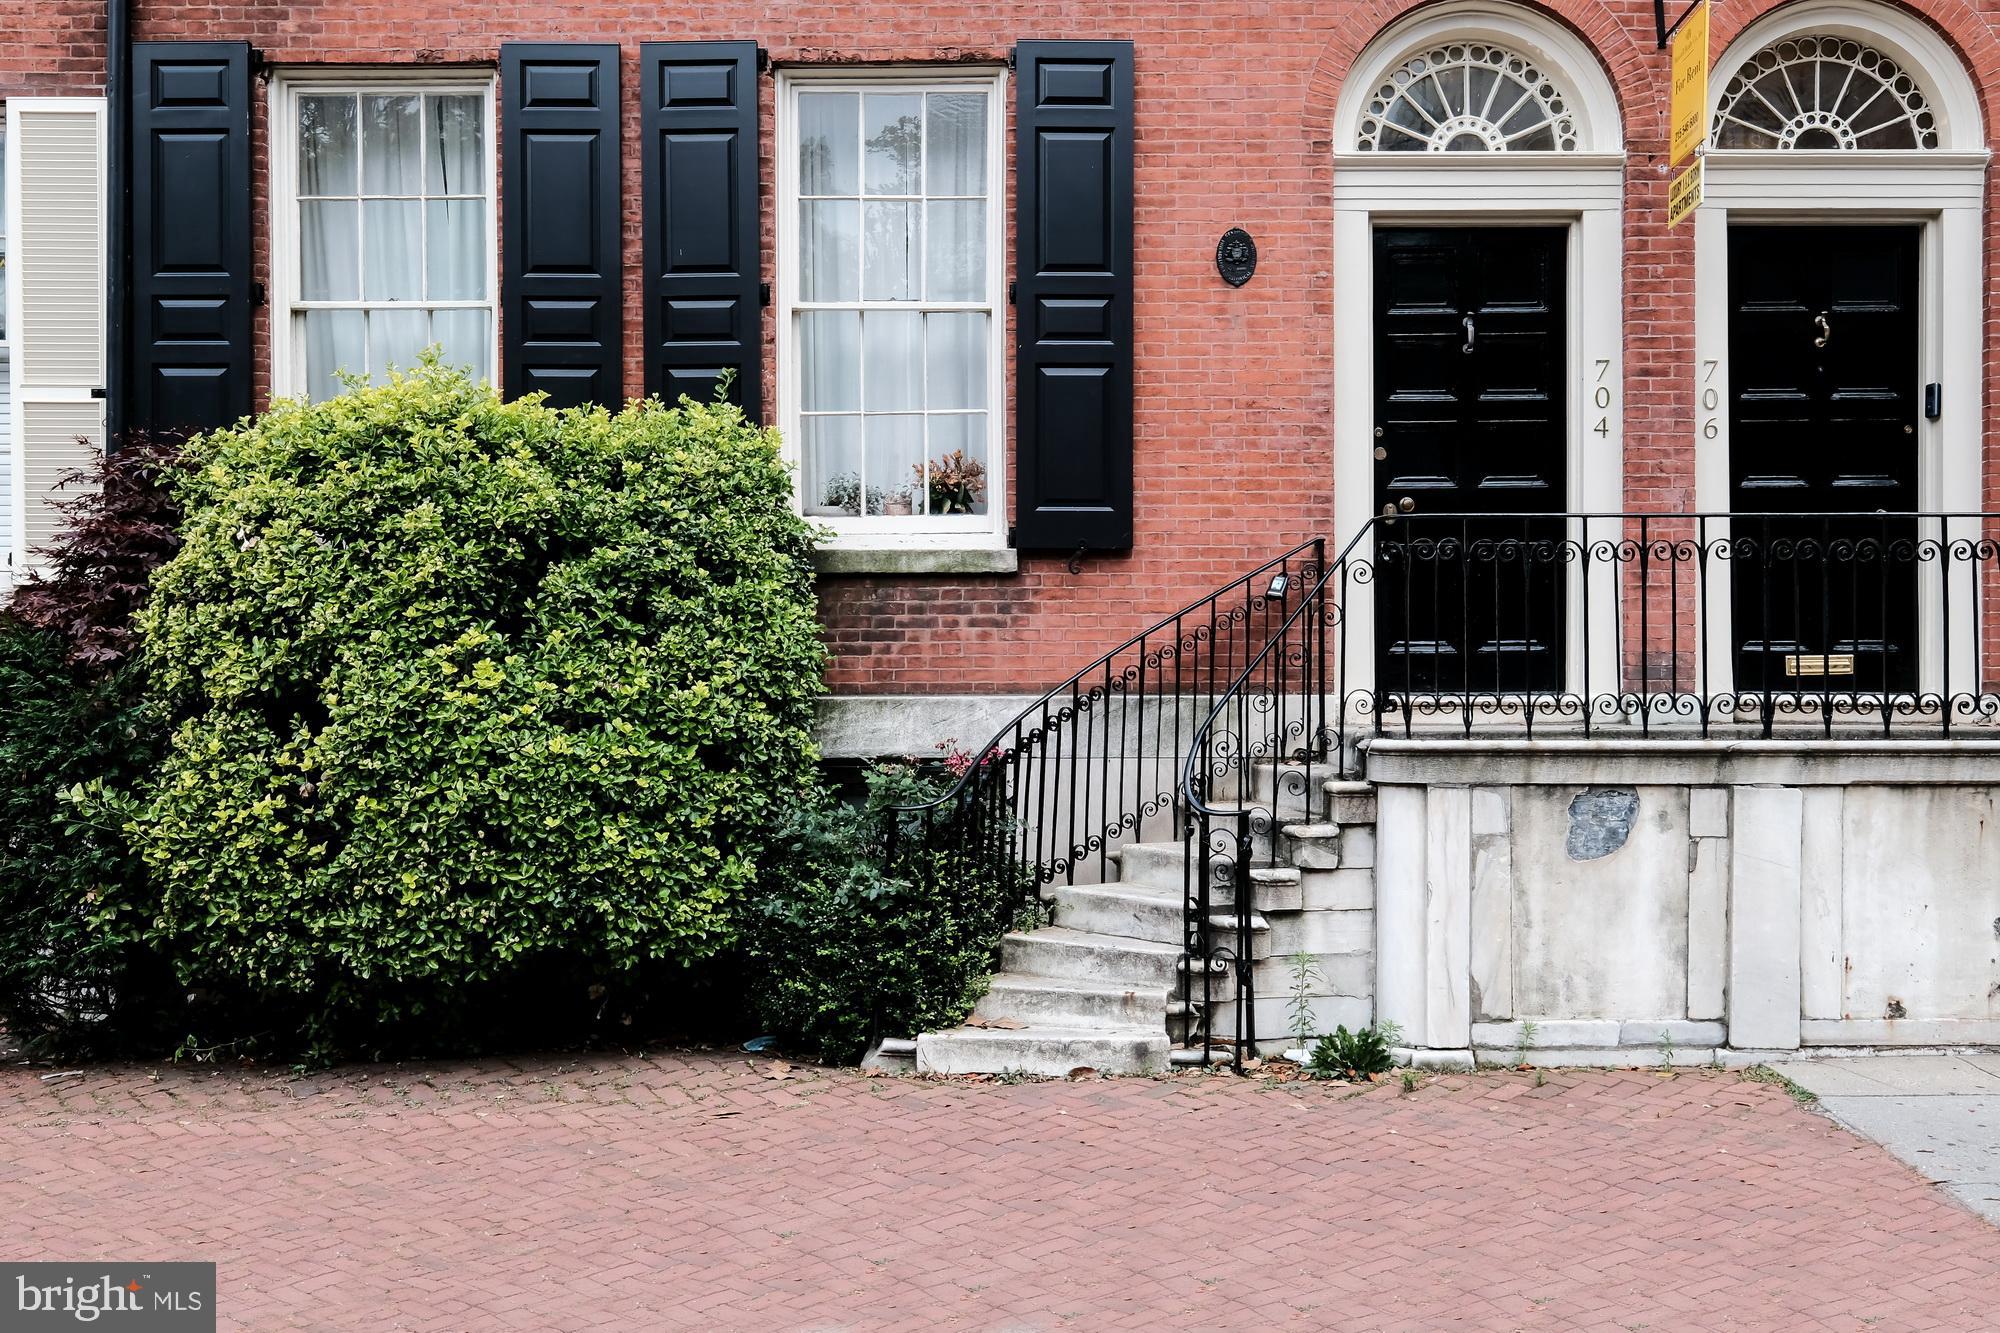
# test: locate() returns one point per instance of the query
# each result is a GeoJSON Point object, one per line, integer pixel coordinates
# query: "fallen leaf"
{"type": "Point", "coordinates": [1083, 1071]}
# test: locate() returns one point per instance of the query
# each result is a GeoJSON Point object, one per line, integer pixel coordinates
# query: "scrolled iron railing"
{"type": "Point", "coordinates": [1737, 625]}
{"type": "Point", "coordinates": [1218, 725]}
{"type": "Point", "coordinates": [1095, 761]}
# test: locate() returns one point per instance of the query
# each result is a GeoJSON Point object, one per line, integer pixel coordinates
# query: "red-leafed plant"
{"type": "Point", "coordinates": [119, 526]}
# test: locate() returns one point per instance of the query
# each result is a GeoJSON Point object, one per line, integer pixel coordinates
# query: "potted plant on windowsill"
{"type": "Point", "coordinates": [843, 494]}
{"type": "Point", "coordinates": [955, 484]}
{"type": "Point", "coordinates": [899, 503]}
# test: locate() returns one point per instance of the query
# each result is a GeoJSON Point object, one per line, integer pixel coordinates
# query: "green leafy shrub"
{"type": "Point", "coordinates": [461, 686]}
{"type": "Point", "coordinates": [842, 952]}
{"type": "Point", "coordinates": [74, 977]}
{"type": "Point", "coordinates": [1344, 1054]}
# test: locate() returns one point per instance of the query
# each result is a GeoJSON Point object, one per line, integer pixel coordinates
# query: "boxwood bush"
{"type": "Point", "coordinates": [458, 686]}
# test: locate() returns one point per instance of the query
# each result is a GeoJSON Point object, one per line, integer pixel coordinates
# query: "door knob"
{"type": "Point", "coordinates": [1406, 504]}
{"type": "Point", "coordinates": [1380, 453]}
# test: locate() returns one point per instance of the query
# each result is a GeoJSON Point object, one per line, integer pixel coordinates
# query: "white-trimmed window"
{"type": "Point", "coordinates": [890, 289]}
{"type": "Point", "coordinates": [384, 230]}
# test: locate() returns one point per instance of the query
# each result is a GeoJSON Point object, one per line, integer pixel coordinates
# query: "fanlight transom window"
{"type": "Point", "coordinates": [1823, 93]}
{"type": "Point", "coordinates": [1468, 97]}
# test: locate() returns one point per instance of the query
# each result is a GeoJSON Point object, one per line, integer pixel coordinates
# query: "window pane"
{"type": "Point", "coordinates": [955, 143]}
{"type": "Point", "coordinates": [958, 481]}
{"type": "Point", "coordinates": [955, 360]}
{"type": "Point", "coordinates": [893, 356]}
{"type": "Point", "coordinates": [956, 258]}
{"type": "Point", "coordinates": [829, 143]}
{"type": "Point", "coordinates": [895, 462]}
{"type": "Point", "coordinates": [829, 242]}
{"type": "Point", "coordinates": [392, 145]}
{"type": "Point", "coordinates": [391, 249]}
{"type": "Point", "coordinates": [830, 360]}
{"type": "Point", "coordinates": [395, 338]}
{"type": "Point", "coordinates": [463, 340]}
{"type": "Point", "coordinates": [456, 163]}
{"type": "Point", "coordinates": [891, 253]}
{"type": "Point", "coordinates": [894, 129]}
{"type": "Point", "coordinates": [326, 145]}
{"type": "Point", "coordinates": [455, 249]}
{"type": "Point", "coordinates": [329, 251]}
{"type": "Point", "coordinates": [831, 448]}
{"type": "Point", "coordinates": [333, 341]}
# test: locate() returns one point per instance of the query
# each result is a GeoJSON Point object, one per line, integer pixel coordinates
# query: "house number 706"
{"type": "Point", "coordinates": [1711, 399]}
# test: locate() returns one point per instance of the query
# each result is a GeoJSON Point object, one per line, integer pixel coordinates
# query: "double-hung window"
{"type": "Point", "coordinates": [385, 228]}
{"type": "Point", "coordinates": [890, 287]}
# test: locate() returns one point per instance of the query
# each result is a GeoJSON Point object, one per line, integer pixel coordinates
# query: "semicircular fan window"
{"type": "Point", "coordinates": [1468, 97]}
{"type": "Point", "coordinates": [1823, 93]}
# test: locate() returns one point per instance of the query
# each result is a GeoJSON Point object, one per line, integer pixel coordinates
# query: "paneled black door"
{"type": "Point", "coordinates": [1470, 346]}
{"type": "Point", "coordinates": [1823, 422]}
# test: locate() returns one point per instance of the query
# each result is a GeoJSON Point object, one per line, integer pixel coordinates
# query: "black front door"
{"type": "Point", "coordinates": [1470, 348]}
{"type": "Point", "coordinates": [1823, 437]}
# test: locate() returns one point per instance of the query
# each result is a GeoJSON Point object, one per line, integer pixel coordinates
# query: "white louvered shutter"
{"type": "Point", "coordinates": [55, 296]}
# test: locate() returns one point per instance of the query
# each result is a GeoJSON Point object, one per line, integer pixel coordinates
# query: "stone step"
{"type": "Point", "coordinates": [1067, 1002]}
{"type": "Point", "coordinates": [1161, 866]}
{"type": "Point", "coordinates": [1109, 909]}
{"type": "Point", "coordinates": [1054, 951]}
{"type": "Point", "coordinates": [1049, 1052]}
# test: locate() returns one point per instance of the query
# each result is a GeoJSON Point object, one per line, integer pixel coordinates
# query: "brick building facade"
{"type": "Point", "coordinates": [1247, 118]}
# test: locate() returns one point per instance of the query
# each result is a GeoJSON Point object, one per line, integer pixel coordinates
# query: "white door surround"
{"type": "Point", "coordinates": [1943, 190]}
{"type": "Point", "coordinates": [1584, 189]}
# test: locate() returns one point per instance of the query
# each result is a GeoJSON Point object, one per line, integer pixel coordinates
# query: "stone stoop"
{"type": "Point", "coordinates": [1096, 988]}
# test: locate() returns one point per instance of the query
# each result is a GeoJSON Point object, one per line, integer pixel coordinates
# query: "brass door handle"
{"type": "Point", "coordinates": [1825, 330]}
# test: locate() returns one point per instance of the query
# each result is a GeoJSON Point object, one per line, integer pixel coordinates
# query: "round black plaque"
{"type": "Point", "coordinates": [1236, 256]}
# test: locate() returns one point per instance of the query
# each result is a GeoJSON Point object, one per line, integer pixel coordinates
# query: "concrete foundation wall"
{"type": "Point", "coordinates": [1687, 895]}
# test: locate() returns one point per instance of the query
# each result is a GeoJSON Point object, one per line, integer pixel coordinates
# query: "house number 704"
{"type": "Point", "coordinates": [1601, 398]}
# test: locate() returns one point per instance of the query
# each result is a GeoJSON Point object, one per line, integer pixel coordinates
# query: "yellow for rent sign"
{"type": "Point", "coordinates": [1688, 109]}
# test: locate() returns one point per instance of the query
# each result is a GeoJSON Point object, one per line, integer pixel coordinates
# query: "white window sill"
{"type": "Point", "coordinates": [851, 557]}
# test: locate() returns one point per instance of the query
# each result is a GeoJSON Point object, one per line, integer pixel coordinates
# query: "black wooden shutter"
{"type": "Point", "coordinates": [703, 313]}
{"type": "Point", "coordinates": [1073, 306]}
{"type": "Point", "coordinates": [190, 367]}
{"type": "Point", "coordinates": [562, 282]}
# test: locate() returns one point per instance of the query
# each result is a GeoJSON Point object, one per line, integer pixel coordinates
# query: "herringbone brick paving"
{"type": "Point", "coordinates": [719, 1191]}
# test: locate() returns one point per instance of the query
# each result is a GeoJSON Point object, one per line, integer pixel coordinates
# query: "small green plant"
{"type": "Point", "coordinates": [1766, 1074]}
{"type": "Point", "coordinates": [1344, 1054]}
{"type": "Point", "coordinates": [1526, 1043]}
{"type": "Point", "coordinates": [1409, 1080]}
{"type": "Point", "coordinates": [1666, 1049]}
{"type": "Point", "coordinates": [1540, 1078]}
{"type": "Point", "coordinates": [1299, 1010]}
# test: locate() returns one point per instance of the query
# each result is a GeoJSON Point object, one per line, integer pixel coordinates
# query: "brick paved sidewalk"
{"type": "Point", "coordinates": [725, 1192]}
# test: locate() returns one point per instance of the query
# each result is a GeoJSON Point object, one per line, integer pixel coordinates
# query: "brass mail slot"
{"type": "Point", "coordinates": [1819, 664]}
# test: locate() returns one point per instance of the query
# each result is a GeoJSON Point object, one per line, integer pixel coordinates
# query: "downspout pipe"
{"type": "Point", "coordinates": [118, 217]}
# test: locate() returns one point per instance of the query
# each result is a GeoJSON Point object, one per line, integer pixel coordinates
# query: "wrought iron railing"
{"type": "Point", "coordinates": [1220, 723]}
{"type": "Point", "coordinates": [1743, 624]}
{"type": "Point", "coordinates": [1097, 760]}
{"type": "Point", "coordinates": [1635, 625]}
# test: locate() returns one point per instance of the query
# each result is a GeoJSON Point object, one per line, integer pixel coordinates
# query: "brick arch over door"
{"type": "Point", "coordinates": [1961, 27]}
{"type": "Point", "coordinates": [1627, 65]}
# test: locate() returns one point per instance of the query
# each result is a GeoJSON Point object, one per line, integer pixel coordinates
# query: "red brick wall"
{"type": "Point", "coordinates": [51, 48]}
{"type": "Point", "coordinates": [1234, 386]}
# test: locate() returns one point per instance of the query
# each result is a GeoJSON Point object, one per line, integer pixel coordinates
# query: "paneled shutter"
{"type": "Point", "coordinates": [190, 235]}
{"type": "Point", "coordinates": [703, 312]}
{"type": "Point", "coordinates": [1073, 307]}
{"type": "Point", "coordinates": [55, 293]}
{"type": "Point", "coordinates": [562, 284]}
